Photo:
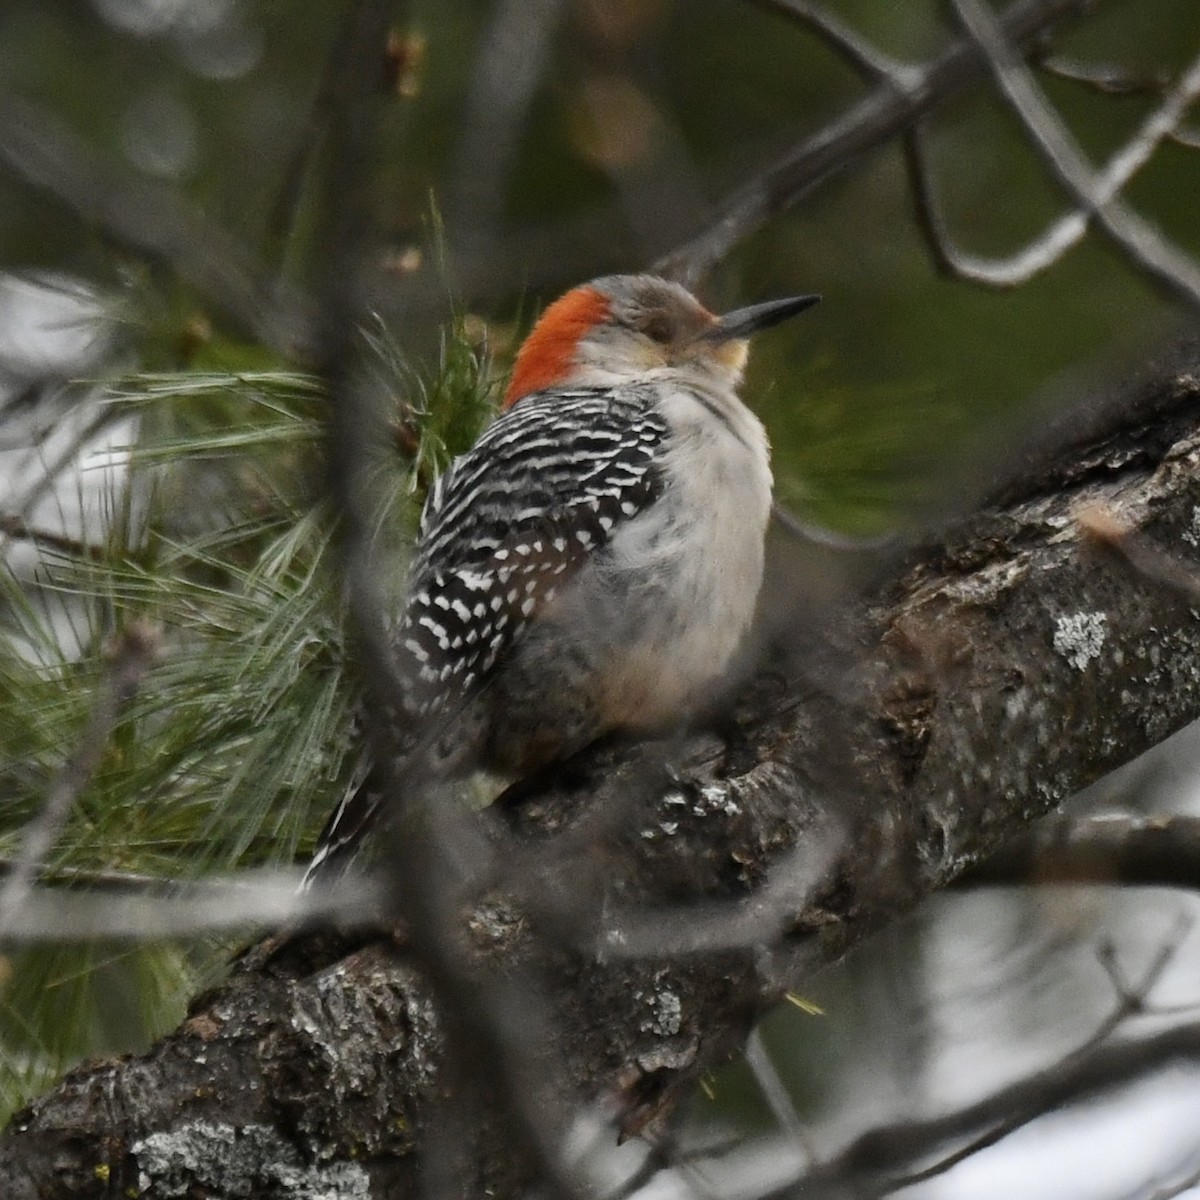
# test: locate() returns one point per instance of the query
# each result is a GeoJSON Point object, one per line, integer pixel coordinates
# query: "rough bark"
{"type": "Point", "coordinates": [1000, 668]}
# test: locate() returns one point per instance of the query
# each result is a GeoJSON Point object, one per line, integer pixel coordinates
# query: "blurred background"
{"type": "Point", "coordinates": [151, 432]}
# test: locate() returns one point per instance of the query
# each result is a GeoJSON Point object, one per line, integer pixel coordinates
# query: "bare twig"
{"type": "Point", "coordinates": [14, 529]}
{"type": "Point", "coordinates": [152, 219]}
{"type": "Point", "coordinates": [1122, 850]}
{"type": "Point", "coordinates": [871, 123]}
{"type": "Point", "coordinates": [1142, 243]}
{"type": "Point", "coordinates": [509, 64]}
{"type": "Point", "coordinates": [760, 920]}
{"type": "Point", "coordinates": [435, 853]}
{"type": "Point", "coordinates": [337, 75]}
{"type": "Point", "coordinates": [14, 522]}
{"type": "Point", "coordinates": [1106, 78]}
{"type": "Point", "coordinates": [810, 534]}
{"type": "Point", "coordinates": [776, 1095]}
{"type": "Point", "coordinates": [866, 58]}
{"type": "Point", "coordinates": [130, 658]}
{"type": "Point", "coordinates": [1069, 229]}
{"type": "Point", "coordinates": [122, 882]}
{"type": "Point", "coordinates": [109, 906]}
{"type": "Point", "coordinates": [1099, 1063]}
{"type": "Point", "coordinates": [846, 42]}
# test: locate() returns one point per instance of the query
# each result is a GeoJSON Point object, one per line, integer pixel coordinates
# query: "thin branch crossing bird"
{"type": "Point", "coordinates": [592, 564]}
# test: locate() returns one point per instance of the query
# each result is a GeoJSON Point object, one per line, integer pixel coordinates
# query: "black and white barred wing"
{"type": "Point", "coordinates": [506, 527]}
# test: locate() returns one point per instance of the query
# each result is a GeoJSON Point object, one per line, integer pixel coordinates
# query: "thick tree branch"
{"type": "Point", "coordinates": [1006, 667]}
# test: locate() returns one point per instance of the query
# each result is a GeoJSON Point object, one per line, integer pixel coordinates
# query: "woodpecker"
{"type": "Point", "coordinates": [593, 562]}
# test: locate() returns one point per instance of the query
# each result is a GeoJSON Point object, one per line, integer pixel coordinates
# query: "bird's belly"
{"type": "Point", "coordinates": [690, 576]}
{"type": "Point", "coordinates": [641, 637]}
{"type": "Point", "coordinates": [684, 622]}
{"type": "Point", "coordinates": [643, 667]}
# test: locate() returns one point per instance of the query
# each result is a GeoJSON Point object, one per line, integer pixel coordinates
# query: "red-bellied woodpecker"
{"type": "Point", "coordinates": [593, 562]}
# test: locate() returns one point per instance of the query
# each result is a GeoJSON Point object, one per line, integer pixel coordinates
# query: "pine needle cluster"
{"type": "Point", "coordinates": [240, 737]}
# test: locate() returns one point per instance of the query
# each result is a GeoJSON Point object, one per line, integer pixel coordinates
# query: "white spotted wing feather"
{"type": "Point", "coordinates": [509, 524]}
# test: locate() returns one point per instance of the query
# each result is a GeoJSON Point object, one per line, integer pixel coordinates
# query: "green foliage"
{"type": "Point", "coordinates": [60, 1003]}
{"type": "Point", "coordinates": [240, 737]}
{"type": "Point", "coordinates": [858, 459]}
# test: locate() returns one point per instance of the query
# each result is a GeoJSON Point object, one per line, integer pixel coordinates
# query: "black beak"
{"type": "Point", "coordinates": [742, 322]}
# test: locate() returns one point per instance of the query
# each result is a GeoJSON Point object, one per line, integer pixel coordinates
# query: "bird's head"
{"type": "Point", "coordinates": [622, 327]}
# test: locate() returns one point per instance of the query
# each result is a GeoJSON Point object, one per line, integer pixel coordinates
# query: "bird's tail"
{"type": "Point", "coordinates": [343, 835]}
{"type": "Point", "coordinates": [438, 749]}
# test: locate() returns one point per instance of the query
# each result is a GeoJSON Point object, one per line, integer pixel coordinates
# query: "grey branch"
{"type": "Point", "coordinates": [883, 115]}
{"type": "Point", "coordinates": [1045, 250]}
{"type": "Point", "coordinates": [1129, 851]}
{"type": "Point", "coordinates": [437, 849]}
{"type": "Point", "coordinates": [996, 673]}
{"type": "Point", "coordinates": [130, 656]}
{"type": "Point", "coordinates": [152, 219]}
{"type": "Point", "coordinates": [1105, 78]}
{"type": "Point", "coordinates": [13, 523]}
{"type": "Point", "coordinates": [1142, 243]}
{"type": "Point", "coordinates": [883, 1160]}
{"type": "Point", "coordinates": [508, 68]}
{"type": "Point", "coordinates": [867, 59]}
{"type": "Point", "coordinates": [75, 906]}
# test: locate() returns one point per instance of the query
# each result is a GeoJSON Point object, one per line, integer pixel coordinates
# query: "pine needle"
{"type": "Point", "coordinates": [805, 1005]}
{"type": "Point", "coordinates": [242, 736]}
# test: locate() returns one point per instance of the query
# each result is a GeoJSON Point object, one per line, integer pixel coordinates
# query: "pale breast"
{"type": "Point", "coordinates": [693, 564]}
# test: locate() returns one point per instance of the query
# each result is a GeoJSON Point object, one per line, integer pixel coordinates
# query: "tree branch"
{"type": "Point", "coordinates": [1126, 850]}
{"type": "Point", "coordinates": [1068, 230]}
{"type": "Point", "coordinates": [865, 58]}
{"type": "Point", "coordinates": [871, 123]}
{"type": "Point", "coordinates": [153, 219]}
{"type": "Point", "coordinates": [1000, 670]}
{"type": "Point", "coordinates": [130, 657]}
{"type": "Point", "coordinates": [878, 1161]}
{"type": "Point", "coordinates": [1142, 243]}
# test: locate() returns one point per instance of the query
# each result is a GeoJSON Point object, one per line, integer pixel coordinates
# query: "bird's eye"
{"type": "Point", "coordinates": [657, 326]}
